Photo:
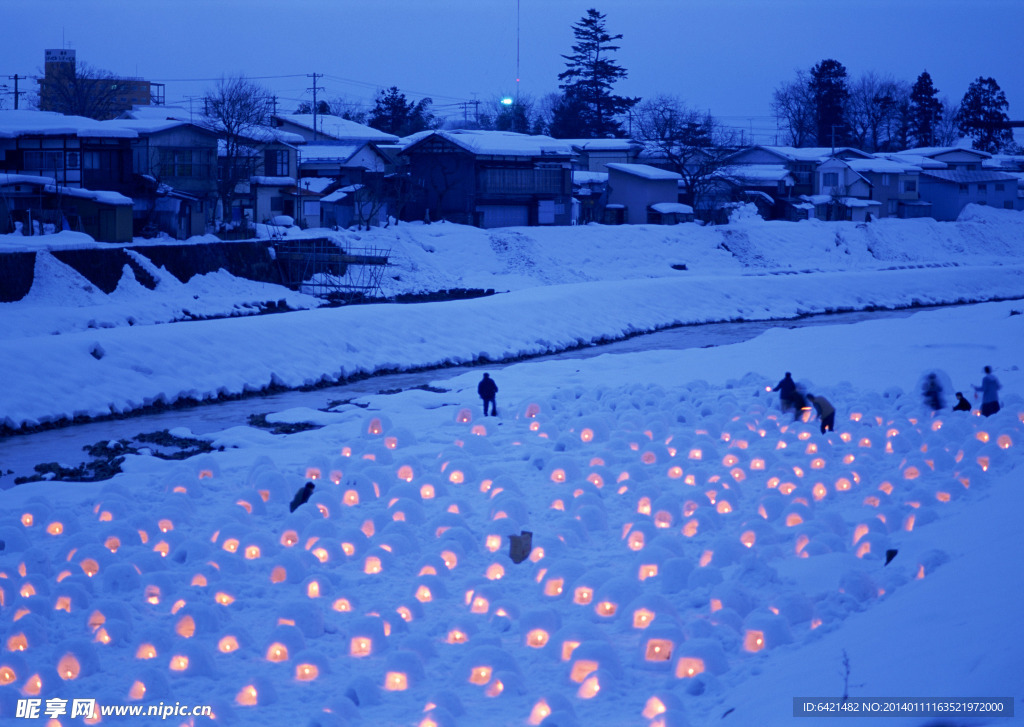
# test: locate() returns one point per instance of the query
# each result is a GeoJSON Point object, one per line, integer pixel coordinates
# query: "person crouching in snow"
{"type": "Point", "coordinates": [825, 410]}
{"type": "Point", "coordinates": [302, 496]}
{"type": "Point", "coordinates": [961, 403]}
{"type": "Point", "coordinates": [488, 390]}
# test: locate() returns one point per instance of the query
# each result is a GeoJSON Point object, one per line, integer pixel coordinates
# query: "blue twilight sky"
{"type": "Point", "coordinates": [726, 56]}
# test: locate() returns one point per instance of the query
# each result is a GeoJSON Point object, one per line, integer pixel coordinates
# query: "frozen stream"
{"type": "Point", "coordinates": [20, 453]}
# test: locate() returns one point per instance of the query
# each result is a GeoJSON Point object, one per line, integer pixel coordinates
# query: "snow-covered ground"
{"type": "Point", "coordinates": [566, 287]}
{"type": "Point", "coordinates": [698, 557]}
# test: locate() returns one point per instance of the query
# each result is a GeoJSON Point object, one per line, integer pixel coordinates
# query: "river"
{"type": "Point", "coordinates": [20, 453]}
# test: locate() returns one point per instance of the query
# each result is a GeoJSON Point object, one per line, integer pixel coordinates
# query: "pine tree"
{"type": "Point", "coordinates": [983, 116]}
{"type": "Point", "coordinates": [925, 111]}
{"type": "Point", "coordinates": [829, 90]}
{"type": "Point", "coordinates": [588, 79]}
{"type": "Point", "coordinates": [394, 114]}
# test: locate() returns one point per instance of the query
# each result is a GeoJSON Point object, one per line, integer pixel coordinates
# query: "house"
{"type": "Point", "coordinates": [257, 168]}
{"type": "Point", "coordinates": [73, 151]}
{"type": "Point", "coordinates": [589, 196]}
{"type": "Point", "coordinates": [764, 185]}
{"type": "Point", "coordinates": [488, 178]}
{"type": "Point", "coordinates": [950, 190]}
{"type": "Point", "coordinates": [38, 205]}
{"type": "Point", "coordinates": [858, 189]}
{"type": "Point", "coordinates": [174, 163]}
{"type": "Point", "coordinates": [325, 127]}
{"type": "Point", "coordinates": [759, 165]}
{"type": "Point", "coordinates": [594, 155]}
{"type": "Point", "coordinates": [634, 190]}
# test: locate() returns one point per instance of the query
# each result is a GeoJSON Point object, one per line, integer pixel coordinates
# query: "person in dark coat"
{"type": "Point", "coordinates": [787, 392]}
{"type": "Point", "coordinates": [825, 410]}
{"type": "Point", "coordinates": [961, 403]}
{"type": "Point", "coordinates": [932, 391]}
{"type": "Point", "coordinates": [302, 496]}
{"type": "Point", "coordinates": [488, 390]}
{"type": "Point", "coordinates": [989, 389]}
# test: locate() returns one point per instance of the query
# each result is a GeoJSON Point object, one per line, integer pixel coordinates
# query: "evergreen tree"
{"type": "Point", "coordinates": [587, 83]}
{"type": "Point", "coordinates": [983, 116]}
{"type": "Point", "coordinates": [925, 111]}
{"type": "Point", "coordinates": [829, 89]}
{"type": "Point", "coordinates": [394, 114]}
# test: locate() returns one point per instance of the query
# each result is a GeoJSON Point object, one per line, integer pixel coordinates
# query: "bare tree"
{"type": "Point", "coordinates": [78, 89]}
{"type": "Point", "coordinates": [874, 111]}
{"type": "Point", "coordinates": [794, 107]}
{"type": "Point", "coordinates": [946, 130]}
{"type": "Point", "coordinates": [688, 141]}
{"type": "Point", "coordinates": [237, 110]}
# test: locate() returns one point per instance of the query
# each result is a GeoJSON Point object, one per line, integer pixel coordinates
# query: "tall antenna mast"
{"type": "Point", "coordinates": [517, 50]}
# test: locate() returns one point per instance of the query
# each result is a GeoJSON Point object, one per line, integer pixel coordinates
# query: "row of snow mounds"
{"type": "Point", "coordinates": [661, 520]}
{"type": "Point", "coordinates": [146, 365]}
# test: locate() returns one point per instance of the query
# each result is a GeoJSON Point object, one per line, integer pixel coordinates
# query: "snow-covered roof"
{"type": "Point", "coordinates": [101, 196]}
{"type": "Point", "coordinates": [49, 123]}
{"type": "Point", "coordinates": [328, 152]}
{"type": "Point", "coordinates": [933, 151]}
{"type": "Point", "coordinates": [601, 144]}
{"type": "Point", "coordinates": [589, 177]}
{"type": "Point", "coordinates": [646, 171]}
{"type": "Point", "coordinates": [274, 181]}
{"type": "Point", "coordinates": [756, 173]}
{"type": "Point", "coordinates": [881, 166]}
{"type": "Point", "coordinates": [678, 208]}
{"type": "Point", "coordinates": [812, 153]}
{"type": "Point", "coordinates": [968, 176]}
{"type": "Point", "coordinates": [845, 201]}
{"type": "Point", "coordinates": [151, 125]}
{"type": "Point", "coordinates": [338, 128]}
{"type": "Point", "coordinates": [315, 184]}
{"type": "Point", "coordinates": [496, 143]}
{"type": "Point", "coordinates": [918, 160]}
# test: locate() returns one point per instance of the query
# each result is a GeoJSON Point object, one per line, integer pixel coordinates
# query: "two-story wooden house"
{"type": "Point", "coordinates": [489, 178]}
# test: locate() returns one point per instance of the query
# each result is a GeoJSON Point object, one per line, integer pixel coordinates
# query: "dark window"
{"type": "Point", "coordinates": [42, 160]}
{"type": "Point", "coordinates": [1000, 187]}
{"type": "Point", "coordinates": [982, 188]}
{"type": "Point", "coordinates": [1007, 205]}
{"type": "Point", "coordinates": [277, 163]}
{"type": "Point", "coordinates": [830, 179]}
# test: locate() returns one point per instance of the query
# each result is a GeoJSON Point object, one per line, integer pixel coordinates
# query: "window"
{"type": "Point", "coordinates": [886, 181]}
{"type": "Point", "coordinates": [42, 161]}
{"type": "Point", "coordinates": [1000, 187]}
{"type": "Point", "coordinates": [962, 187]}
{"type": "Point", "coordinates": [894, 206]}
{"type": "Point", "coordinates": [909, 185]}
{"type": "Point", "coordinates": [277, 163]}
{"type": "Point", "coordinates": [830, 179]}
{"type": "Point", "coordinates": [982, 188]}
{"type": "Point", "coordinates": [1007, 205]}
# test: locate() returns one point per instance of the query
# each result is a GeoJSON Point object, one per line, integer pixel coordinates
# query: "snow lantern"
{"type": "Point", "coordinates": [366, 637]}
{"type": "Point", "coordinates": [699, 655]}
{"type": "Point", "coordinates": [403, 670]}
{"type": "Point", "coordinates": [765, 630]}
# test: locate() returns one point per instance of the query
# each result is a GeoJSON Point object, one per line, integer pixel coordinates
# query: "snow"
{"type": "Point", "coordinates": [496, 143]}
{"type": "Point", "coordinates": [669, 207]}
{"type": "Point", "coordinates": [50, 123]}
{"type": "Point", "coordinates": [674, 510]}
{"type": "Point", "coordinates": [644, 171]}
{"type": "Point", "coordinates": [337, 127]}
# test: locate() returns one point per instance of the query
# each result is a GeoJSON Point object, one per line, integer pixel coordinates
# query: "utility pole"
{"type": "Point", "coordinates": [16, 92]}
{"type": "Point", "coordinates": [314, 76]}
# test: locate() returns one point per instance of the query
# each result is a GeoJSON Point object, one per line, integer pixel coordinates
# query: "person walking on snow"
{"type": "Point", "coordinates": [989, 389]}
{"type": "Point", "coordinates": [787, 392]}
{"type": "Point", "coordinates": [487, 390]}
{"type": "Point", "coordinates": [825, 410]}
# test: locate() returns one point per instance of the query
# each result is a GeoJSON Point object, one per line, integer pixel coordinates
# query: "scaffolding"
{"type": "Point", "coordinates": [321, 267]}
